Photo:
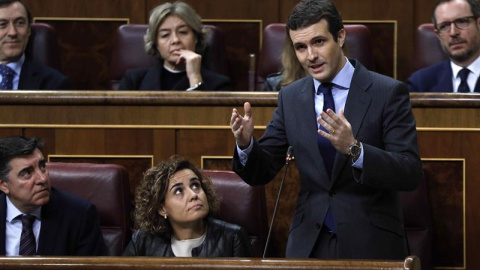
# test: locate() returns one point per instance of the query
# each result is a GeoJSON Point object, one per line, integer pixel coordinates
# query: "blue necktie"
{"type": "Point", "coordinates": [28, 245]}
{"type": "Point", "coordinates": [7, 77]}
{"type": "Point", "coordinates": [463, 87]}
{"type": "Point", "coordinates": [327, 150]}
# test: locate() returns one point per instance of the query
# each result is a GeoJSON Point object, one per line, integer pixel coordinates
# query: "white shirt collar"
{"type": "Point", "coordinates": [474, 68]}
{"type": "Point", "coordinates": [13, 212]}
{"type": "Point", "coordinates": [17, 66]}
{"type": "Point", "coordinates": [172, 70]}
{"type": "Point", "coordinates": [343, 79]}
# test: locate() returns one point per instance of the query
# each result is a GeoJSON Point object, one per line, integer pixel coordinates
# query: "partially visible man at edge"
{"type": "Point", "coordinates": [17, 71]}
{"type": "Point", "coordinates": [457, 26]}
{"type": "Point", "coordinates": [55, 223]}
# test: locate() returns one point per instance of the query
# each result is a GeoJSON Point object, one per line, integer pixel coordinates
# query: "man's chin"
{"type": "Point", "coordinates": [321, 77]}
{"type": "Point", "coordinates": [459, 56]}
{"type": "Point", "coordinates": [42, 200]}
{"type": "Point", "coordinates": [42, 197]}
{"type": "Point", "coordinates": [12, 56]}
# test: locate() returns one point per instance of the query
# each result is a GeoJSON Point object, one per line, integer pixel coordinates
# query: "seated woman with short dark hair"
{"type": "Point", "coordinates": [176, 37]}
{"type": "Point", "coordinates": [174, 203]}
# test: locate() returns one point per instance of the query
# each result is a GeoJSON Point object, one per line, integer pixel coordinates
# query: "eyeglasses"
{"type": "Point", "coordinates": [460, 23]}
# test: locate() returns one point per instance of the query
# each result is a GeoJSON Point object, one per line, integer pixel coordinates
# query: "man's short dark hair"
{"type": "Point", "coordinates": [309, 12]}
{"type": "Point", "coordinates": [4, 3]}
{"type": "Point", "coordinates": [16, 146]}
{"type": "Point", "coordinates": [474, 7]}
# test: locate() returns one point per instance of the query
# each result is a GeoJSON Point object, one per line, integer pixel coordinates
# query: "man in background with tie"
{"type": "Point", "coordinates": [16, 70]}
{"type": "Point", "coordinates": [355, 144]}
{"type": "Point", "coordinates": [38, 219]}
{"type": "Point", "coordinates": [457, 26]}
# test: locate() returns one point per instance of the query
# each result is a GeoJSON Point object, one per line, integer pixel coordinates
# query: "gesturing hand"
{"type": "Point", "coordinates": [339, 130]}
{"type": "Point", "coordinates": [242, 126]}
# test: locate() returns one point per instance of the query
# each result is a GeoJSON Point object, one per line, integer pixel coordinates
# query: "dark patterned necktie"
{"type": "Point", "coordinates": [28, 245]}
{"type": "Point", "coordinates": [327, 150]}
{"type": "Point", "coordinates": [7, 77]}
{"type": "Point", "coordinates": [463, 87]}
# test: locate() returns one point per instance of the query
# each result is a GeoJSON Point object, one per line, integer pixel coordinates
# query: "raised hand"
{"type": "Point", "coordinates": [242, 126]}
{"type": "Point", "coordinates": [339, 130]}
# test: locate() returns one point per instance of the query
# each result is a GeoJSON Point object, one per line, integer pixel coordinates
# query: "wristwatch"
{"type": "Point", "coordinates": [354, 150]}
{"type": "Point", "coordinates": [194, 87]}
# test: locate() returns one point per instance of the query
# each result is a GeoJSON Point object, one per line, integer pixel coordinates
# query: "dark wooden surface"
{"type": "Point", "coordinates": [151, 263]}
{"type": "Point", "coordinates": [137, 129]}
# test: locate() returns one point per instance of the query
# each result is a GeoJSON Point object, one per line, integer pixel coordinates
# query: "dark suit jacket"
{"type": "Point", "coordinates": [35, 76]}
{"type": "Point", "coordinates": [70, 227]}
{"type": "Point", "coordinates": [365, 203]}
{"type": "Point", "coordinates": [150, 79]}
{"type": "Point", "coordinates": [435, 78]}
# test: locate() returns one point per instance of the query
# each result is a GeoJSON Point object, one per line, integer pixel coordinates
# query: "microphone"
{"type": "Point", "coordinates": [288, 158]}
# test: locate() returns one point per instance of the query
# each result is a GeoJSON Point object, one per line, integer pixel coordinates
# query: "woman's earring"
{"type": "Point", "coordinates": [165, 216]}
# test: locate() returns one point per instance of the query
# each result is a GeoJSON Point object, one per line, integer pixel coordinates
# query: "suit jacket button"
{"type": "Point", "coordinates": [331, 192]}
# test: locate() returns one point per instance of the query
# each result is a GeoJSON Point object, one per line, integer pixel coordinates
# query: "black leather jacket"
{"type": "Point", "coordinates": [222, 240]}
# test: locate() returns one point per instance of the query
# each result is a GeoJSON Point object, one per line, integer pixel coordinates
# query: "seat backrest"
{"type": "Point", "coordinates": [428, 50]}
{"type": "Point", "coordinates": [42, 45]}
{"type": "Point", "coordinates": [129, 52]}
{"type": "Point", "coordinates": [418, 223]}
{"type": "Point", "coordinates": [243, 205]}
{"type": "Point", "coordinates": [358, 45]}
{"type": "Point", "coordinates": [270, 58]}
{"type": "Point", "coordinates": [105, 185]}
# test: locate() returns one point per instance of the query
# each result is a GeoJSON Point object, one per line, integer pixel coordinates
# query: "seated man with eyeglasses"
{"type": "Point", "coordinates": [457, 26]}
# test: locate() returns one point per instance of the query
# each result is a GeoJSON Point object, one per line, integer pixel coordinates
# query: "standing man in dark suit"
{"type": "Point", "coordinates": [17, 71]}
{"type": "Point", "coordinates": [60, 224]}
{"type": "Point", "coordinates": [355, 146]}
{"type": "Point", "coordinates": [457, 26]}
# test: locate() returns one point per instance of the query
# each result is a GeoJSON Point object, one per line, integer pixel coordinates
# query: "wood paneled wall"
{"type": "Point", "coordinates": [407, 13]}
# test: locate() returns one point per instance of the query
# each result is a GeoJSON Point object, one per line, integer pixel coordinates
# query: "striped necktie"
{"type": "Point", "coordinates": [28, 245]}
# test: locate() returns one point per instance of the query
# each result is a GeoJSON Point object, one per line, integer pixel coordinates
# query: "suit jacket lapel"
{"type": "Point", "coordinates": [51, 220]}
{"type": "Point", "coordinates": [444, 83]}
{"type": "Point", "coordinates": [151, 81]}
{"type": "Point", "coordinates": [356, 108]}
{"type": "Point", "coordinates": [304, 112]}
{"type": "Point", "coordinates": [477, 86]}
{"type": "Point", "coordinates": [28, 76]}
{"type": "Point", "coordinates": [3, 218]}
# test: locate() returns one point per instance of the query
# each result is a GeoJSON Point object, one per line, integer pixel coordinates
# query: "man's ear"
{"type": "Point", "coordinates": [4, 187]}
{"type": "Point", "coordinates": [437, 34]}
{"type": "Point", "coordinates": [341, 37]}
